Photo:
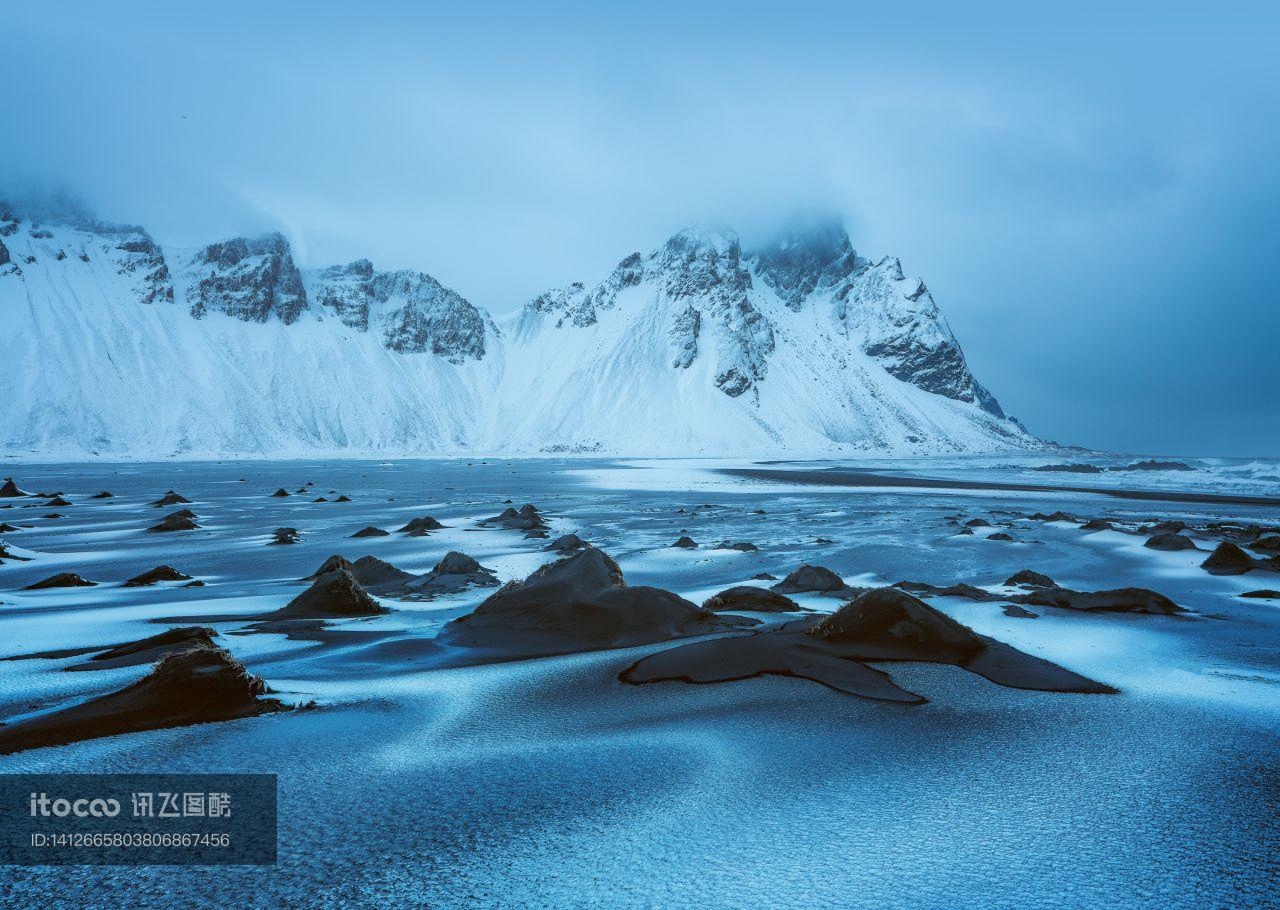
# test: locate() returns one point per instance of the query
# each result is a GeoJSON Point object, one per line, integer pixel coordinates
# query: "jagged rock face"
{"type": "Point", "coordinates": [696, 264]}
{"type": "Point", "coordinates": [567, 303]}
{"type": "Point", "coordinates": [890, 317]}
{"type": "Point", "coordinates": [248, 280]}
{"type": "Point", "coordinates": [684, 338]}
{"type": "Point", "coordinates": [703, 268]}
{"type": "Point", "coordinates": [348, 291]}
{"type": "Point", "coordinates": [63, 228]}
{"type": "Point", "coordinates": [144, 258]}
{"type": "Point", "coordinates": [700, 347]}
{"type": "Point", "coordinates": [805, 258]}
{"type": "Point", "coordinates": [432, 317]}
{"type": "Point", "coordinates": [896, 317]}
{"type": "Point", "coordinates": [902, 328]}
{"type": "Point", "coordinates": [413, 311]}
{"type": "Point", "coordinates": [575, 305]}
{"type": "Point", "coordinates": [8, 219]}
{"type": "Point", "coordinates": [709, 267]}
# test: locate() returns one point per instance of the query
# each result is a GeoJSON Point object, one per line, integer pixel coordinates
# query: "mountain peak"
{"type": "Point", "coordinates": [702, 260]}
{"type": "Point", "coordinates": [808, 253]}
{"type": "Point", "coordinates": [414, 311]}
{"type": "Point", "coordinates": [717, 239]}
{"type": "Point", "coordinates": [248, 279]}
{"type": "Point", "coordinates": [699, 345]}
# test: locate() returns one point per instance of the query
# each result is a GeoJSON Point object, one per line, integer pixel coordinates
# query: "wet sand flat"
{"type": "Point", "coordinates": [852, 478]}
{"type": "Point", "coordinates": [549, 783]}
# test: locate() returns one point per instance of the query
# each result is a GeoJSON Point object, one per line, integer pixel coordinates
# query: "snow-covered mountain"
{"type": "Point", "coordinates": [114, 345]}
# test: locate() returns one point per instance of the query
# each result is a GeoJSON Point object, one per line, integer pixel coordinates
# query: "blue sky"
{"type": "Point", "coordinates": [1090, 191]}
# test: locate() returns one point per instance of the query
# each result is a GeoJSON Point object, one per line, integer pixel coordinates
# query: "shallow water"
{"type": "Point", "coordinates": [548, 783]}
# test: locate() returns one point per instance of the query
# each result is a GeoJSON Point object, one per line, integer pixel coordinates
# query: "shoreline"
{"type": "Point", "coordinates": [836, 477]}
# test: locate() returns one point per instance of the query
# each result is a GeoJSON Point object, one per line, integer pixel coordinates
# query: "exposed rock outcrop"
{"type": "Point", "coordinates": [249, 280]}
{"type": "Point", "coordinates": [413, 312]}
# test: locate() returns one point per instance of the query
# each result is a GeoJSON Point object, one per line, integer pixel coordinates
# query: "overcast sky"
{"type": "Point", "coordinates": [1091, 191]}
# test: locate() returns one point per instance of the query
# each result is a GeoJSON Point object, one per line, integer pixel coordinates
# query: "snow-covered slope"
{"type": "Point", "coordinates": [105, 352]}
{"type": "Point", "coordinates": [699, 347]}
{"type": "Point", "coordinates": [113, 345]}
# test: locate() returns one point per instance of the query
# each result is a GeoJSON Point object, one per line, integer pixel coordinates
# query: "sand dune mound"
{"type": "Point", "coordinates": [171, 498]}
{"type": "Point", "coordinates": [332, 564]}
{"type": "Point", "coordinates": [581, 603]}
{"type": "Point", "coordinates": [892, 621]}
{"type": "Point", "coordinates": [371, 531]}
{"type": "Point", "coordinates": [1031, 579]}
{"type": "Point", "coordinates": [150, 649]}
{"type": "Point", "coordinates": [419, 527]}
{"type": "Point", "coordinates": [1170, 542]}
{"type": "Point", "coordinates": [9, 489]}
{"type": "Point", "coordinates": [335, 594]}
{"type": "Point", "coordinates": [199, 685]}
{"type": "Point", "coordinates": [526, 518]}
{"type": "Point", "coordinates": [61, 580]}
{"type": "Point", "coordinates": [181, 520]}
{"type": "Point", "coordinates": [1119, 600]}
{"type": "Point", "coordinates": [159, 573]}
{"type": "Point", "coordinates": [810, 578]}
{"type": "Point", "coordinates": [749, 598]}
{"type": "Point", "coordinates": [884, 624]}
{"type": "Point", "coordinates": [456, 572]}
{"type": "Point", "coordinates": [373, 572]}
{"type": "Point", "coordinates": [567, 543]}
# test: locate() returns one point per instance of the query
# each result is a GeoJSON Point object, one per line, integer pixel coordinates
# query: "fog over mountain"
{"type": "Point", "coordinates": [1086, 203]}
{"type": "Point", "coordinates": [799, 345]}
